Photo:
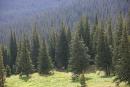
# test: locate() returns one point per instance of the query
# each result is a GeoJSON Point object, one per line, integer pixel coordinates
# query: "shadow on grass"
{"type": "Point", "coordinates": [106, 76]}
{"type": "Point", "coordinates": [47, 74]}
{"type": "Point", "coordinates": [78, 80]}
{"type": "Point", "coordinates": [25, 78]}
{"type": "Point", "coordinates": [87, 78]}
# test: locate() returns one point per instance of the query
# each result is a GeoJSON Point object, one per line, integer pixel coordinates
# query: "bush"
{"type": "Point", "coordinates": [8, 71]}
{"type": "Point", "coordinates": [82, 80]}
{"type": "Point", "coordinates": [75, 77]}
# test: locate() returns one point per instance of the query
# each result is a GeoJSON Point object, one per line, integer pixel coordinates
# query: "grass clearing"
{"type": "Point", "coordinates": [59, 79]}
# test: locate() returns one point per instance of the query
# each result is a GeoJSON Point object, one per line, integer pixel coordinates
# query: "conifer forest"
{"type": "Point", "coordinates": [64, 43]}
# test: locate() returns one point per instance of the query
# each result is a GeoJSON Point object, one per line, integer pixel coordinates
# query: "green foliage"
{"type": "Point", "coordinates": [52, 47]}
{"type": "Point", "coordinates": [44, 62]}
{"type": "Point", "coordinates": [2, 76]}
{"type": "Point", "coordinates": [82, 80]}
{"type": "Point", "coordinates": [62, 49]}
{"type": "Point", "coordinates": [110, 35]}
{"type": "Point", "coordinates": [24, 60]}
{"type": "Point", "coordinates": [117, 42]}
{"type": "Point", "coordinates": [8, 71]}
{"type": "Point", "coordinates": [35, 46]}
{"type": "Point", "coordinates": [123, 68]}
{"type": "Point", "coordinates": [75, 77]}
{"type": "Point", "coordinates": [94, 37]}
{"type": "Point", "coordinates": [13, 50]}
{"type": "Point", "coordinates": [79, 56]}
{"type": "Point", "coordinates": [104, 55]}
{"type": "Point", "coordinates": [5, 54]}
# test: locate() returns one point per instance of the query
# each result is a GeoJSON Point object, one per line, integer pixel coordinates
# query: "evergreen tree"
{"type": "Point", "coordinates": [18, 57]}
{"type": "Point", "coordinates": [52, 47]}
{"type": "Point", "coordinates": [117, 42]}
{"type": "Point", "coordinates": [35, 48]}
{"type": "Point", "coordinates": [108, 57]}
{"type": "Point", "coordinates": [128, 23]}
{"type": "Point", "coordinates": [2, 78]}
{"type": "Point", "coordinates": [79, 56]}
{"type": "Point", "coordinates": [5, 56]}
{"type": "Point", "coordinates": [69, 37]}
{"type": "Point", "coordinates": [94, 37]}
{"type": "Point", "coordinates": [13, 51]}
{"type": "Point", "coordinates": [62, 49]}
{"type": "Point", "coordinates": [86, 35]}
{"type": "Point", "coordinates": [123, 67]}
{"type": "Point", "coordinates": [103, 57]}
{"type": "Point", "coordinates": [110, 35]}
{"type": "Point", "coordinates": [44, 63]}
{"type": "Point", "coordinates": [84, 31]}
{"type": "Point", "coordinates": [8, 71]}
{"type": "Point", "coordinates": [24, 63]}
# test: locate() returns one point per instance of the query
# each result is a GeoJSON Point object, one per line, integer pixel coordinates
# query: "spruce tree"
{"type": "Point", "coordinates": [52, 47]}
{"type": "Point", "coordinates": [2, 77]}
{"type": "Point", "coordinates": [79, 56]}
{"type": "Point", "coordinates": [84, 31]}
{"type": "Point", "coordinates": [94, 37]}
{"type": "Point", "coordinates": [6, 59]}
{"type": "Point", "coordinates": [117, 42]}
{"type": "Point", "coordinates": [123, 67]}
{"type": "Point", "coordinates": [24, 63]}
{"type": "Point", "coordinates": [18, 57]}
{"type": "Point", "coordinates": [13, 51]}
{"type": "Point", "coordinates": [44, 62]}
{"type": "Point", "coordinates": [108, 57]}
{"type": "Point", "coordinates": [62, 49]}
{"type": "Point", "coordinates": [103, 57]}
{"type": "Point", "coordinates": [110, 35]}
{"type": "Point", "coordinates": [35, 48]}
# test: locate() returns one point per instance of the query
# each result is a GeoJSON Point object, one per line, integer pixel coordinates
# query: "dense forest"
{"type": "Point", "coordinates": [70, 51]}
{"type": "Point", "coordinates": [20, 15]}
{"type": "Point", "coordinates": [74, 40]}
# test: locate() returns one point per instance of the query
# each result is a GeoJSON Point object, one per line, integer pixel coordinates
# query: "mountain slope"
{"type": "Point", "coordinates": [19, 15]}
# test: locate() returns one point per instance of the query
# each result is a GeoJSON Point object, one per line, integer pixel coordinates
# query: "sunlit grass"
{"type": "Point", "coordinates": [60, 79]}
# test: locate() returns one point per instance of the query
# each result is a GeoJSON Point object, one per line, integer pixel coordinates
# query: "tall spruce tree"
{"type": "Point", "coordinates": [44, 62]}
{"type": "Point", "coordinates": [6, 59]}
{"type": "Point", "coordinates": [103, 57]}
{"type": "Point", "coordinates": [79, 56]}
{"type": "Point", "coordinates": [69, 37]}
{"type": "Point", "coordinates": [52, 47]}
{"type": "Point", "coordinates": [2, 78]}
{"type": "Point", "coordinates": [110, 34]}
{"type": "Point", "coordinates": [128, 23]}
{"type": "Point", "coordinates": [24, 62]}
{"type": "Point", "coordinates": [117, 42]}
{"type": "Point", "coordinates": [62, 49]}
{"type": "Point", "coordinates": [84, 31]}
{"type": "Point", "coordinates": [123, 67]}
{"type": "Point", "coordinates": [18, 57]}
{"type": "Point", "coordinates": [35, 48]}
{"type": "Point", "coordinates": [94, 37]}
{"type": "Point", "coordinates": [108, 58]}
{"type": "Point", "coordinates": [13, 51]}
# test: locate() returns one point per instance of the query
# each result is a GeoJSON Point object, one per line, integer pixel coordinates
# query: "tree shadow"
{"type": "Point", "coordinates": [24, 78]}
{"type": "Point", "coordinates": [47, 74]}
{"type": "Point", "coordinates": [87, 78]}
{"type": "Point", "coordinates": [107, 76]}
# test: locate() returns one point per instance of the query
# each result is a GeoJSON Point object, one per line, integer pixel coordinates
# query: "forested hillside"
{"type": "Point", "coordinates": [83, 43]}
{"type": "Point", "coordinates": [20, 15]}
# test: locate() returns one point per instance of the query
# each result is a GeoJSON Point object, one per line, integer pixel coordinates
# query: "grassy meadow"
{"type": "Point", "coordinates": [59, 79]}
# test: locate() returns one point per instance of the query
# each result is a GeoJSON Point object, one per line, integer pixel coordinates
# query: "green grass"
{"type": "Point", "coordinates": [59, 79]}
